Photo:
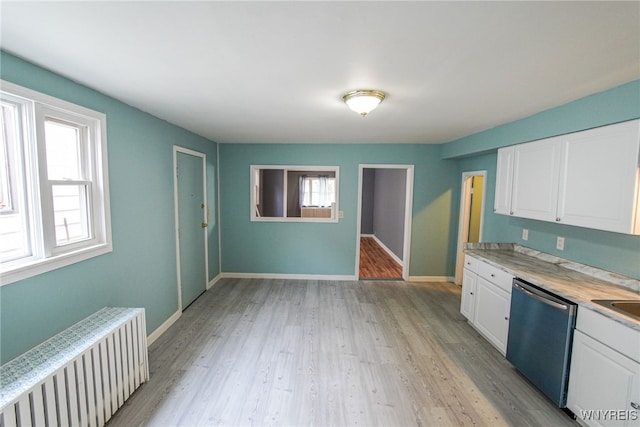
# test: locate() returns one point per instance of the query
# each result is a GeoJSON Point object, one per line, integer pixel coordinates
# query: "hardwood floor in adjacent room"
{"type": "Point", "coordinates": [330, 353]}
{"type": "Point", "coordinates": [375, 262]}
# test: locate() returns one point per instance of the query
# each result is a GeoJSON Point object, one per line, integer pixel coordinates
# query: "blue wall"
{"type": "Point", "coordinates": [611, 251]}
{"type": "Point", "coordinates": [141, 270]}
{"type": "Point", "coordinates": [330, 248]}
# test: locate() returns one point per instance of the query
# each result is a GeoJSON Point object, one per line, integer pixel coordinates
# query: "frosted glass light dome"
{"type": "Point", "coordinates": [363, 101]}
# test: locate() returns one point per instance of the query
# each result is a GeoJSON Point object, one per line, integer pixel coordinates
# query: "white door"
{"type": "Point", "coordinates": [471, 215]}
{"type": "Point", "coordinates": [191, 224]}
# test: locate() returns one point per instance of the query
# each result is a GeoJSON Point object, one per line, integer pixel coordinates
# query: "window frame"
{"type": "Point", "coordinates": [293, 168]}
{"type": "Point", "coordinates": [46, 254]}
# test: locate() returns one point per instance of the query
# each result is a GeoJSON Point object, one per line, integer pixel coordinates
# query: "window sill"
{"type": "Point", "coordinates": [24, 270]}
{"type": "Point", "coordinates": [293, 219]}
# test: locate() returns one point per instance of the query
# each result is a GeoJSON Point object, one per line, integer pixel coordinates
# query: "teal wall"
{"type": "Point", "coordinates": [141, 270]}
{"type": "Point", "coordinates": [614, 105]}
{"type": "Point", "coordinates": [611, 251]}
{"type": "Point", "coordinates": [330, 248]}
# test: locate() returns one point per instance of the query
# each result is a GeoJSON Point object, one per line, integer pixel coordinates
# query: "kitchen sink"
{"type": "Point", "coordinates": [627, 307]}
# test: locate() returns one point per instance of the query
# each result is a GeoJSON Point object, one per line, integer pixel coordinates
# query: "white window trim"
{"type": "Point", "coordinates": [101, 243]}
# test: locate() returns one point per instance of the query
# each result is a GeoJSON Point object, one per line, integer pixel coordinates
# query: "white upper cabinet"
{"type": "Point", "coordinates": [536, 170]}
{"type": "Point", "coordinates": [599, 181]}
{"type": "Point", "coordinates": [588, 179]}
{"type": "Point", "coordinates": [504, 179]}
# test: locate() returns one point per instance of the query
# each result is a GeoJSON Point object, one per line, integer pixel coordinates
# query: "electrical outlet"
{"type": "Point", "coordinates": [525, 234]}
{"type": "Point", "coordinates": [560, 243]}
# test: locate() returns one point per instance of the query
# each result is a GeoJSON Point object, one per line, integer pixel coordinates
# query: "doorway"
{"type": "Point", "coordinates": [191, 216]}
{"type": "Point", "coordinates": [385, 202]}
{"type": "Point", "coordinates": [472, 195]}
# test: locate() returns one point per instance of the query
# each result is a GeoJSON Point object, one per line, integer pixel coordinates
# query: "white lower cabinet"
{"type": "Point", "coordinates": [485, 300]}
{"type": "Point", "coordinates": [467, 296]}
{"type": "Point", "coordinates": [604, 384]}
{"type": "Point", "coordinates": [491, 315]}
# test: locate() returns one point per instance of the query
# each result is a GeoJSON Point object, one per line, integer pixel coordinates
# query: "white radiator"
{"type": "Point", "coordinates": [81, 376]}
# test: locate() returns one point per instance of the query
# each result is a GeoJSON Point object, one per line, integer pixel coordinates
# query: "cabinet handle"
{"type": "Point", "coordinates": [557, 219]}
{"type": "Point", "coordinates": [470, 293]}
{"type": "Point", "coordinates": [635, 405]}
{"type": "Point", "coordinates": [506, 318]}
{"type": "Point", "coordinates": [493, 275]}
{"type": "Point", "coordinates": [511, 213]}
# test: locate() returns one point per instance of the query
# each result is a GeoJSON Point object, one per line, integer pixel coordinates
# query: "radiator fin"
{"type": "Point", "coordinates": [90, 388]}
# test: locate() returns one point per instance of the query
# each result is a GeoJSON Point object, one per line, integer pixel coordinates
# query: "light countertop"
{"type": "Point", "coordinates": [576, 282]}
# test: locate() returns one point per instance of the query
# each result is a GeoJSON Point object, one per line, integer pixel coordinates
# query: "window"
{"type": "Point", "coordinates": [294, 193]}
{"type": "Point", "coordinates": [317, 191]}
{"type": "Point", "coordinates": [54, 198]}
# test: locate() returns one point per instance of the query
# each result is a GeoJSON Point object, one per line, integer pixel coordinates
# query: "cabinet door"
{"type": "Point", "coordinates": [536, 172]}
{"type": "Point", "coordinates": [491, 315]}
{"type": "Point", "coordinates": [504, 180]}
{"type": "Point", "coordinates": [602, 384]}
{"type": "Point", "coordinates": [599, 184]}
{"type": "Point", "coordinates": [467, 295]}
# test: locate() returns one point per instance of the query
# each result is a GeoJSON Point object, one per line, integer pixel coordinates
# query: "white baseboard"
{"type": "Point", "coordinates": [162, 328]}
{"type": "Point", "coordinates": [286, 276]}
{"type": "Point", "coordinates": [213, 281]}
{"type": "Point", "coordinates": [230, 275]}
{"type": "Point", "coordinates": [388, 251]}
{"type": "Point", "coordinates": [430, 279]}
{"type": "Point", "coordinates": [175, 316]}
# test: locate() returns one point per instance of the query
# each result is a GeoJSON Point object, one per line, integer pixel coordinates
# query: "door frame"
{"type": "Point", "coordinates": [408, 210]}
{"type": "Point", "coordinates": [464, 216]}
{"type": "Point", "coordinates": [182, 150]}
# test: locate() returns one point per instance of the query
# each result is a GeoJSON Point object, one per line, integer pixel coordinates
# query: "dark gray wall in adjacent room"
{"type": "Point", "coordinates": [389, 208]}
{"type": "Point", "coordinates": [366, 220]}
{"type": "Point", "coordinates": [272, 188]}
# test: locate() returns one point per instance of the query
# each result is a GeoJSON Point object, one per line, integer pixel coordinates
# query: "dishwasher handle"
{"type": "Point", "coordinates": [542, 298]}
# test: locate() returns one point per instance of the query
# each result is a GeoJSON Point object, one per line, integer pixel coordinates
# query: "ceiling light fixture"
{"type": "Point", "coordinates": [363, 101]}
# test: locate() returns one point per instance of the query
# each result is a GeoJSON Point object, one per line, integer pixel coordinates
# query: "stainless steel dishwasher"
{"type": "Point", "coordinates": [540, 334]}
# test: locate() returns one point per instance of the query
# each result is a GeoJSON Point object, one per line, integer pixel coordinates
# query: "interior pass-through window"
{"type": "Point", "coordinates": [294, 193]}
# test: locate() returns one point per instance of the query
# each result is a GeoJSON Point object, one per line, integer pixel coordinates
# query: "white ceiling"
{"type": "Point", "coordinates": [276, 71]}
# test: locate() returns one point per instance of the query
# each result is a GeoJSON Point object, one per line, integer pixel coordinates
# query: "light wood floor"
{"type": "Point", "coordinates": [375, 262]}
{"type": "Point", "coordinates": [326, 353]}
